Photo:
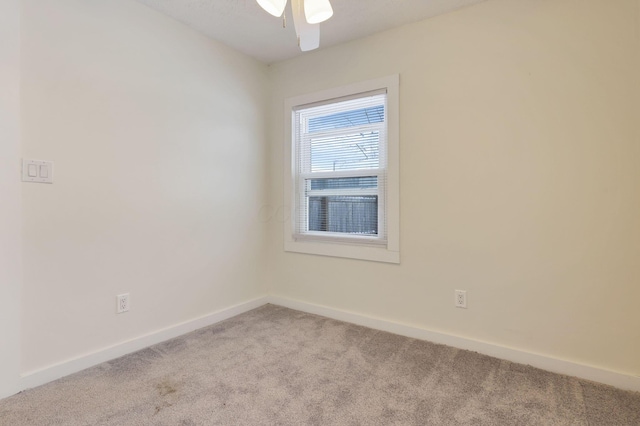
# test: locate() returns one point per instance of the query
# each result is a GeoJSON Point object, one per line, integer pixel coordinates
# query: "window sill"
{"type": "Point", "coordinates": [351, 251]}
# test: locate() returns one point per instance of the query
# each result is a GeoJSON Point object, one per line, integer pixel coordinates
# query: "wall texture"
{"type": "Point", "coordinates": [159, 143]}
{"type": "Point", "coordinates": [10, 220]}
{"type": "Point", "coordinates": [520, 178]}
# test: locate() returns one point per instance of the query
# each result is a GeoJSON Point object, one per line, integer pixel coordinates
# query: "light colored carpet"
{"type": "Point", "coordinates": [276, 366]}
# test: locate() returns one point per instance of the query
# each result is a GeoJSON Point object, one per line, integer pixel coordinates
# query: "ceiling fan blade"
{"type": "Point", "coordinates": [308, 34]}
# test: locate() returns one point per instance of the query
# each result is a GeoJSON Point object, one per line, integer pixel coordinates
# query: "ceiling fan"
{"type": "Point", "coordinates": [307, 16]}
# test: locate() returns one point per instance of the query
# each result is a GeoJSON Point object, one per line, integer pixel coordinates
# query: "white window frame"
{"type": "Point", "coordinates": [337, 245]}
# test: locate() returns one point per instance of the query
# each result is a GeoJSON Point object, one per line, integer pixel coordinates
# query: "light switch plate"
{"type": "Point", "coordinates": [37, 171]}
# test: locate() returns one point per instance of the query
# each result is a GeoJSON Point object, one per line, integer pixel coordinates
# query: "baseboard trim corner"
{"type": "Point", "coordinates": [39, 377]}
{"type": "Point", "coordinates": [544, 362]}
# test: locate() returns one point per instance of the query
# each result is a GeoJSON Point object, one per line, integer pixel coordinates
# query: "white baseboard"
{"type": "Point", "coordinates": [48, 374]}
{"type": "Point", "coordinates": [39, 377]}
{"type": "Point", "coordinates": [569, 368]}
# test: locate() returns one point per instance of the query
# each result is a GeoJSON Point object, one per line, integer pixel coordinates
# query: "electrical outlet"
{"type": "Point", "coordinates": [461, 299]}
{"type": "Point", "coordinates": [122, 303]}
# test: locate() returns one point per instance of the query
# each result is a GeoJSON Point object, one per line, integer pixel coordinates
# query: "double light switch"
{"type": "Point", "coordinates": [37, 171]}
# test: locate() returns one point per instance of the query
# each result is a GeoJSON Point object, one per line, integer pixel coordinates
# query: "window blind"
{"type": "Point", "coordinates": [340, 169]}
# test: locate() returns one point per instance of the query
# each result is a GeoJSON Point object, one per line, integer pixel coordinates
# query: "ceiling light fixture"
{"type": "Point", "coordinates": [274, 7]}
{"type": "Point", "coordinates": [307, 15]}
{"type": "Point", "coordinates": [317, 11]}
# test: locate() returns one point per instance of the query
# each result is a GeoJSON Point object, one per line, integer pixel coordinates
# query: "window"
{"type": "Point", "coordinates": [341, 172]}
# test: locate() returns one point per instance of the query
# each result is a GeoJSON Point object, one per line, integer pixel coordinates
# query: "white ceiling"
{"type": "Point", "coordinates": [243, 25]}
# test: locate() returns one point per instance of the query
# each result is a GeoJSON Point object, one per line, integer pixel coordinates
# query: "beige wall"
{"type": "Point", "coordinates": [520, 178]}
{"type": "Point", "coordinates": [158, 138]}
{"type": "Point", "coordinates": [10, 221]}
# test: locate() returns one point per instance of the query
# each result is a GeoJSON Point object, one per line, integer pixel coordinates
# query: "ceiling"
{"type": "Point", "coordinates": [243, 25]}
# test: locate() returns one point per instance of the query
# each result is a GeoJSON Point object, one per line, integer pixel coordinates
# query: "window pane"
{"type": "Point", "coordinates": [346, 152]}
{"type": "Point", "coordinates": [346, 214]}
{"type": "Point", "coordinates": [343, 119]}
{"type": "Point", "coordinates": [344, 183]}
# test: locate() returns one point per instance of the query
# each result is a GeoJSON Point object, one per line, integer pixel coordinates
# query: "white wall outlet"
{"type": "Point", "coordinates": [461, 299]}
{"type": "Point", "coordinates": [122, 303]}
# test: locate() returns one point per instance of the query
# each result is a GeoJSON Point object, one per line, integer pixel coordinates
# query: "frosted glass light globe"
{"type": "Point", "coordinates": [317, 11]}
{"type": "Point", "coordinates": [274, 7]}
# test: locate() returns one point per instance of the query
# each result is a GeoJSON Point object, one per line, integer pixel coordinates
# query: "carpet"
{"type": "Point", "coordinates": [277, 366]}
